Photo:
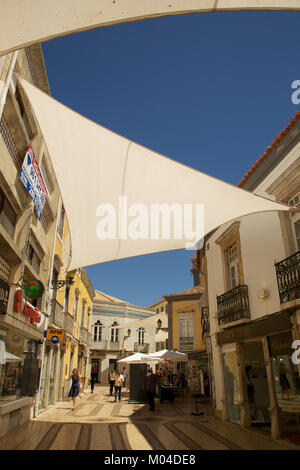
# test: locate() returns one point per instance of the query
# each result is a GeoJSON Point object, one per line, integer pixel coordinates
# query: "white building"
{"type": "Point", "coordinates": [252, 275]}
{"type": "Point", "coordinates": [110, 340]}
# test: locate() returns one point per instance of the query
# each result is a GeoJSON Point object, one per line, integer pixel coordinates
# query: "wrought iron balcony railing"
{"type": "Point", "coordinates": [288, 278]}
{"type": "Point", "coordinates": [233, 305]}
{"type": "Point", "coordinates": [186, 343]}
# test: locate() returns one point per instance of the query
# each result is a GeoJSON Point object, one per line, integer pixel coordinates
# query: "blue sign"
{"type": "Point", "coordinates": [54, 340]}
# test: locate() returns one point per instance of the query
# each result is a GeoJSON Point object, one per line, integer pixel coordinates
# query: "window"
{"type": "Point", "coordinates": [233, 266]}
{"type": "Point", "coordinates": [8, 217]}
{"type": "Point", "coordinates": [162, 309]}
{"type": "Point", "coordinates": [295, 219]}
{"type": "Point", "coordinates": [60, 227]}
{"type": "Point", "coordinates": [141, 336]}
{"type": "Point", "coordinates": [76, 308]}
{"type": "Point", "coordinates": [33, 258]}
{"type": "Point", "coordinates": [98, 331]}
{"type": "Point", "coordinates": [83, 312]}
{"type": "Point", "coordinates": [45, 175]}
{"type": "Point", "coordinates": [23, 113]}
{"type": "Point", "coordinates": [114, 333]}
{"type": "Point", "coordinates": [186, 334]}
{"type": "Point", "coordinates": [67, 296]}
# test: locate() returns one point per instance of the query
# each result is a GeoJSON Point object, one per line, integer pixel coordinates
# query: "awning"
{"type": "Point", "coordinates": [24, 22]}
{"type": "Point", "coordinates": [112, 185]}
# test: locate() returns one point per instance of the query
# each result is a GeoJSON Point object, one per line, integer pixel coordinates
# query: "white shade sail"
{"type": "Point", "coordinates": [24, 22]}
{"type": "Point", "coordinates": [149, 322]}
{"type": "Point", "coordinates": [94, 166]}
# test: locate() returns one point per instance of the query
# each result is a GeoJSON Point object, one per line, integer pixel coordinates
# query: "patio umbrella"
{"type": "Point", "coordinates": [169, 355]}
{"type": "Point", "coordinates": [11, 357]}
{"type": "Point", "coordinates": [135, 358]}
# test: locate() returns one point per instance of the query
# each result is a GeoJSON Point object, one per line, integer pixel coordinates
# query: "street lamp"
{"type": "Point", "coordinates": [159, 323]}
{"type": "Point", "coordinates": [128, 333]}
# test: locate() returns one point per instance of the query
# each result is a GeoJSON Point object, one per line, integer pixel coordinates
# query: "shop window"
{"type": "Point", "coordinates": [287, 383]}
{"type": "Point", "coordinates": [232, 386]}
{"type": "Point", "coordinates": [19, 372]}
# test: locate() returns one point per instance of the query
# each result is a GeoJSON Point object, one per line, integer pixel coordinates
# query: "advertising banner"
{"type": "Point", "coordinates": [32, 179]}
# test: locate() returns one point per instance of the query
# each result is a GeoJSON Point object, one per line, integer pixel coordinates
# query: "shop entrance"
{"type": "Point", "coordinates": [257, 383]}
{"type": "Point", "coordinates": [96, 369]}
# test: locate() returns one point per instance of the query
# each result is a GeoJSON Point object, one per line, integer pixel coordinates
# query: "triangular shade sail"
{"type": "Point", "coordinates": [150, 322]}
{"type": "Point", "coordinates": [135, 358]}
{"type": "Point", "coordinates": [95, 166]}
{"type": "Point", "coordinates": [24, 22]}
{"type": "Point", "coordinates": [169, 355]}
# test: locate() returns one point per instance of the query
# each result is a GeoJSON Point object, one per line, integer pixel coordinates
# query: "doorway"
{"type": "Point", "coordinates": [257, 384]}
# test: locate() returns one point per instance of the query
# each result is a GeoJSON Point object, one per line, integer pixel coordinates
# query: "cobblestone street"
{"type": "Point", "coordinates": [98, 423]}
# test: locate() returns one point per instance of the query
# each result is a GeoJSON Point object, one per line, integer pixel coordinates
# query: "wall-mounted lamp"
{"type": "Point", "coordinates": [128, 333]}
{"type": "Point", "coordinates": [159, 323]}
{"type": "Point", "coordinates": [263, 294]}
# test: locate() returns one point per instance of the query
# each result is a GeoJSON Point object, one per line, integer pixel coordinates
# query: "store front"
{"type": "Point", "coordinates": [21, 338]}
{"type": "Point", "coordinates": [261, 382]}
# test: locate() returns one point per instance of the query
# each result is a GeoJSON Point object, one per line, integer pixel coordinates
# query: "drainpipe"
{"type": "Point", "coordinates": [7, 82]}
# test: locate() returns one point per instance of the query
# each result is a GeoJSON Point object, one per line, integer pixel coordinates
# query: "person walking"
{"type": "Point", "coordinates": [75, 388]}
{"type": "Point", "coordinates": [151, 381]}
{"type": "Point", "coordinates": [93, 380]}
{"type": "Point", "coordinates": [119, 380]}
{"type": "Point", "coordinates": [124, 373]}
{"type": "Point", "coordinates": [112, 376]}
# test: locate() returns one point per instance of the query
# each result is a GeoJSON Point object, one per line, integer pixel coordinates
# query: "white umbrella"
{"type": "Point", "coordinates": [135, 358]}
{"type": "Point", "coordinates": [169, 355]}
{"type": "Point", "coordinates": [11, 357]}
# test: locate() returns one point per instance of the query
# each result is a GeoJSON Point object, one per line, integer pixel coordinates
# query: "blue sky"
{"type": "Point", "coordinates": [209, 90]}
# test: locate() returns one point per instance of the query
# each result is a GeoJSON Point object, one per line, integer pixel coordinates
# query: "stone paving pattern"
{"type": "Point", "coordinates": [98, 423]}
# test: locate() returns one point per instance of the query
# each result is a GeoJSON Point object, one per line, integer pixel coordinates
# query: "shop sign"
{"type": "Point", "coordinates": [34, 289]}
{"type": "Point", "coordinates": [24, 307]}
{"type": "Point", "coordinates": [55, 335]}
{"type": "Point", "coordinates": [4, 294]}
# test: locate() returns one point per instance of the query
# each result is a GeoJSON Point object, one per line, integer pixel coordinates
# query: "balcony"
{"type": "Point", "coordinates": [233, 306]}
{"type": "Point", "coordinates": [68, 323]}
{"type": "Point", "coordinates": [83, 338]}
{"type": "Point", "coordinates": [205, 325]}
{"type": "Point", "coordinates": [186, 343]}
{"type": "Point", "coordinates": [288, 278]}
{"type": "Point", "coordinates": [114, 346]}
{"type": "Point", "coordinates": [57, 315]}
{"type": "Point", "coordinates": [142, 348]}
{"type": "Point", "coordinates": [98, 344]}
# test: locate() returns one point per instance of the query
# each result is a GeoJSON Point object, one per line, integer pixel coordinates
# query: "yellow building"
{"type": "Point", "coordinates": [71, 311]}
{"type": "Point", "coordinates": [184, 325]}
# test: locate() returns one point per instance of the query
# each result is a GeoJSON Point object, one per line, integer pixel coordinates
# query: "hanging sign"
{"type": "Point", "coordinates": [55, 335]}
{"type": "Point", "coordinates": [34, 289]}
{"type": "Point", "coordinates": [32, 179]}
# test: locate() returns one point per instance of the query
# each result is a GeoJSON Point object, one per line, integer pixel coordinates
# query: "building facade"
{"type": "Point", "coordinates": [71, 313]}
{"type": "Point", "coordinates": [111, 340]}
{"type": "Point", "coordinates": [252, 285]}
{"type": "Point", "coordinates": [161, 333]}
{"type": "Point", "coordinates": [26, 242]}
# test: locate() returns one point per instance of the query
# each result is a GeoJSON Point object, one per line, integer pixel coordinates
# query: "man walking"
{"type": "Point", "coordinates": [119, 380]}
{"type": "Point", "coordinates": [151, 381]}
